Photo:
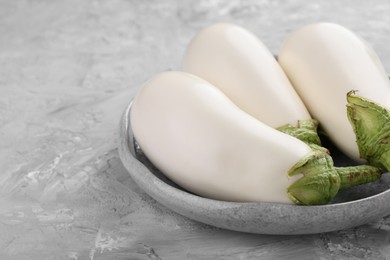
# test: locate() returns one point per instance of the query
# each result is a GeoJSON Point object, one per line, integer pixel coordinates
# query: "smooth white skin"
{"type": "Point", "coordinates": [240, 65]}
{"type": "Point", "coordinates": [325, 61]}
{"type": "Point", "coordinates": [202, 141]}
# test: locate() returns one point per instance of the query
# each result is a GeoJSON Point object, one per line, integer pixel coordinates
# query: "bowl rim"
{"type": "Point", "coordinates": [127, 151]}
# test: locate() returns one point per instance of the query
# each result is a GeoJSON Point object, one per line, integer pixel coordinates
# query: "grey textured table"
{"type": "Point", "coordinates": [68, 70]}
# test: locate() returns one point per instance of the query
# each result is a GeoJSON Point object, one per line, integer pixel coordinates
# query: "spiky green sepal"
{"type": "Point", "coordinates": [320, 181]}
{"type": "Point", "coordinates": [306, 131]}
{"type": "Point", "coordinates": [371, 124]}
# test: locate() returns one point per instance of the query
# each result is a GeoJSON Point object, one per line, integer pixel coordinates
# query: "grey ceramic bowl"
{"type": "Point", "coordinates": [352, 207]}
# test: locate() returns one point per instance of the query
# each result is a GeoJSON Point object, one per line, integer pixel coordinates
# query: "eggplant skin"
{"type": "Point", "coordinates": [235, 60]}
{"type": "Point", "coordinates": [202, 141]}
{"type": "Point", "coordinates": [325, 61]}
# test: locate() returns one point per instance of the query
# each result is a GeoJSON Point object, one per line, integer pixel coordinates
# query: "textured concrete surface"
{"type": "Point", "coordinates": [67, 71]}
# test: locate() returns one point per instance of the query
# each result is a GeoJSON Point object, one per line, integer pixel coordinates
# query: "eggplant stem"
{"type": "Point", "coordinates": [357, 175]}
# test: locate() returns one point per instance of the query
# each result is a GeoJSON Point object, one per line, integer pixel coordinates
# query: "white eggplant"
{"type": "Point", "coordinates": [324, 62]}
{"type": "Point", "coordinates": [202, 141]}
{"type": "Point", "coordinates": [241, 66]}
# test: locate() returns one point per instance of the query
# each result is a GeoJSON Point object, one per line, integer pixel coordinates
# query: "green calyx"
{"type": "Point", "coordinates": [371, 124]}
{"type": "Point", "coordinates": [321, 180]}
{"type": "Point", "coordinates": [306, 131]}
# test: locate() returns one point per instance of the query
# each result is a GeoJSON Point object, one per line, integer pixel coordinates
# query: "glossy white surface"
{"type": "Point", "coordinates": [240, 65]}
{"type": "Point", "coordinates": [202, 141]}
{"type": "Point", "coordinates": [324, 62]}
